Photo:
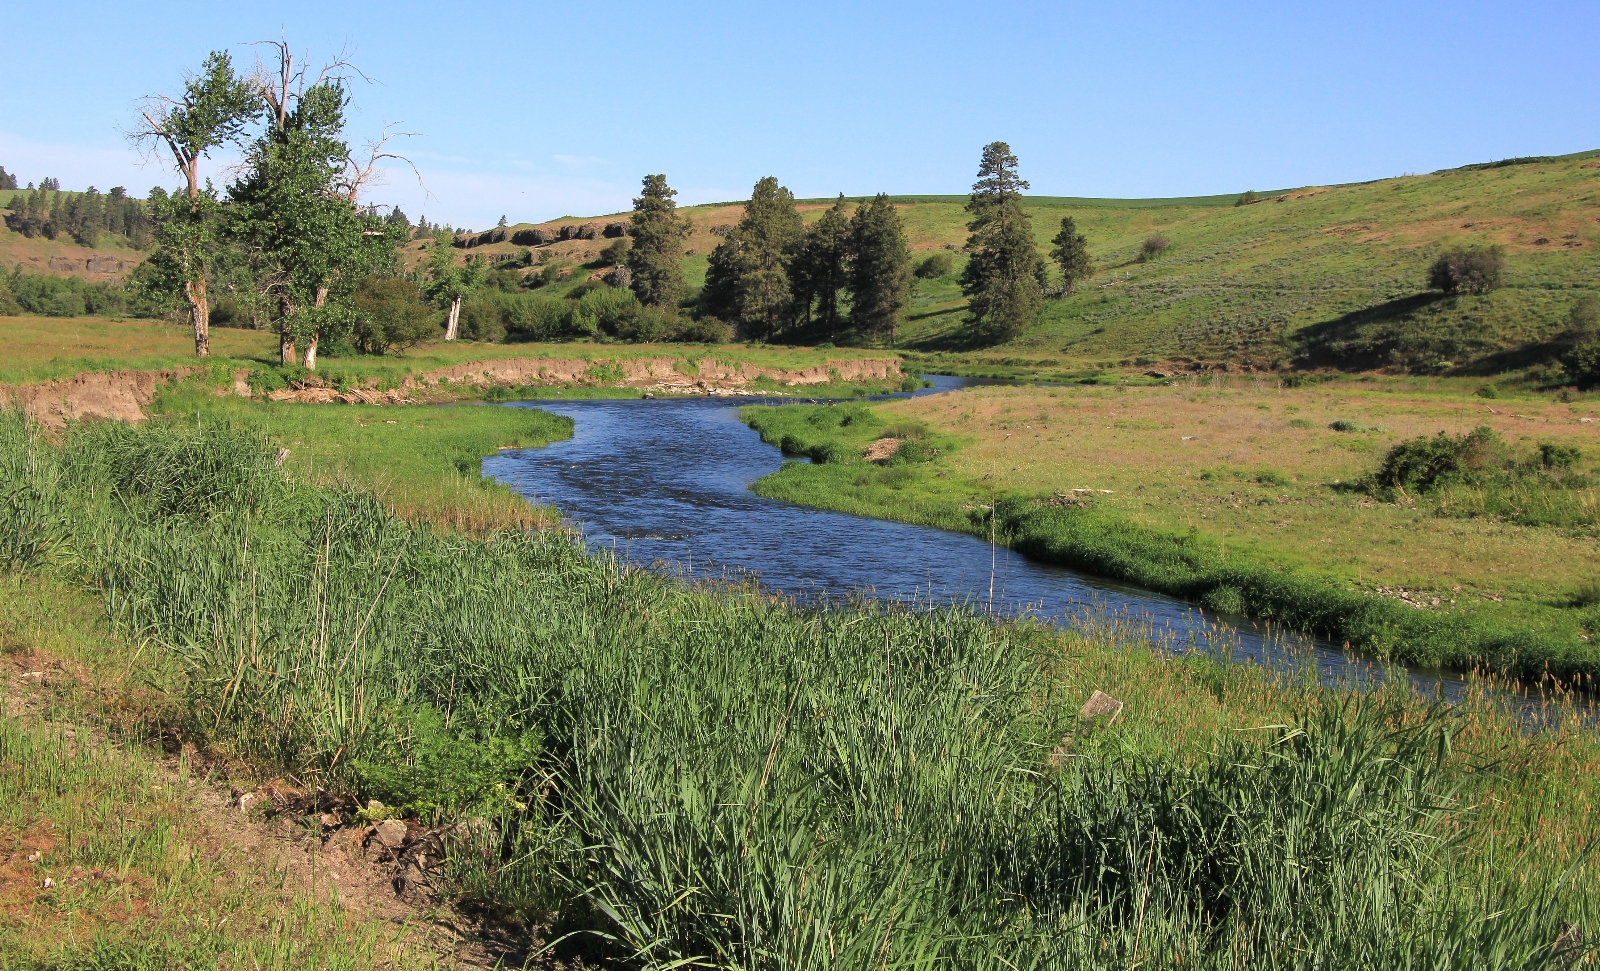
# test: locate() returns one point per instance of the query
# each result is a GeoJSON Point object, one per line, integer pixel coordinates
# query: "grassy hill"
{"type": "Point", "coordinates": [1316, 277]}
{"type": "Point", "coordinates": [1321, 276]}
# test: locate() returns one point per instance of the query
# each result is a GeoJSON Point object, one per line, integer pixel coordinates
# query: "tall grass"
{"type": "Point", "coordinates": [718, 778]}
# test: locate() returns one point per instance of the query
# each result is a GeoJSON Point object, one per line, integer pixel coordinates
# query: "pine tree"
{"type": "Point", "coordinates": [747, 280]}
{"type": "Point", "coordinates": [821, 267]}
{"type": "Point", "coordinates": [1071, 253]}
{"type": "Point", "coordinates": [657, 231]}
{"type": "Point", "coordinates": [880, 269]}
{"type": "Point", "coordinates": [7, 180]}
{"type": "Point", "coordinates": [1004, 277]}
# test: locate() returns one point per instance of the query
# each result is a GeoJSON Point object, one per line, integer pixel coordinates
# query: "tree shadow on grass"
{"type": "Point", "coordinates": [1362, 339]}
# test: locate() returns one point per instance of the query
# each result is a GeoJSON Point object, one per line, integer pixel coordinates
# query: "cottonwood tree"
{"type": "Point", "coordinates": [657, 231]}
{"type": "Point", "coordinates": [448, 282]}
{"type": "Point", "coordinates": [820, 270]}
{"type": "Point", "coordinates": [297, 204]}
{"type": "Point", "coordinates": [1071, 253]}
{"type": "Point", "coordinates": [880, 269]}
{"type": "Point", "coordinates": [747, 279]}
{"type": "Point", "coordinates": [214, 110]}
{"type": "Point", "coordinates": [1004, 277]}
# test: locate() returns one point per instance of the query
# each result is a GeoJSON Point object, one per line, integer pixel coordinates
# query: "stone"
{"type": "Point", "coordinates": [613, 230]}
{"type": "Point", "coordinates": [1101, 704]}
{"type": "Point", "coordinates": [588, 231]}
{"type": "Point", "coordinates": [391, 833]}
{"type": "Point", "coordinates": [619, 277]}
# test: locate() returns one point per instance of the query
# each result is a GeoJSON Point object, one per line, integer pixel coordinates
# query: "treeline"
{"type": "Point", "coordinates": [84, 217]}
{"type": "Point", "coordinates": [68, 296]}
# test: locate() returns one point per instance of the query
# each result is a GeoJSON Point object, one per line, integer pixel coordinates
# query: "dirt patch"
{"type": "Point", "coordinates": [646, 372]}
{"type": "Point", "coordinates": [883, 449]}
{"type": "Point", "coordinates": [333, 396]}
{"type": "Point", "coordinates": [122, 395]}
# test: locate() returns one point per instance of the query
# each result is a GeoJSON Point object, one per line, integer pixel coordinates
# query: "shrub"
{"type": "Point", "coordinates": [1475, 269]}
{"type": "Point", "coordinates": [615, 254]}
{"type": "Point", "coordinates": [910, 384]}
{"type": "Point", "coordinates": [705, 330]}
{"type": "Point", "coordinates": [1350, 425]}
{"type": "Point", "coordinates": [482, 320]}
{"type": "Point", "coordinates": [1560, 457]}
{"type": "Point", "coordinates": [1152, 247]}
{"type": "Point", "coordinates": [1423, 464]}
{"type": "Point", "coordinates": [1583, 364]}
{"type": "Point", "coordinates": [1584, 318]}
{"type": "Point", "coordinates": [1248, 199]}
{"type": "Point", "coordinates": [390, 314]}
{"type": "Point", "coordinates": [935, 266]}
{"type": "Point", "coordinates": [536, 318]}
{"type": "Point", "coordinates": [1224, 599]}
{"type": "Point", "coordinates": [1488, 391]}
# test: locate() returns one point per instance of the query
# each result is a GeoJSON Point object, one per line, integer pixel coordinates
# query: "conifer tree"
{"type": "Point", "coordinates": [880, 269]}
{"type": "Point", "coordinates": [821, 267]}
{"type": "Point", "coordinates": [747, 281]}
{"type": "Point", "coordinates": [1004, 277]}
{"type": "Point", "coordinates": [657, 231]}
{"type": "Point", "coordinates": [1071, 253]}
{"type": "Point", "coordinates": [7, 180]}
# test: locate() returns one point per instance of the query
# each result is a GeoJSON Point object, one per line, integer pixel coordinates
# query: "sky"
{"type": "Point", "coordinates": [536, 110]}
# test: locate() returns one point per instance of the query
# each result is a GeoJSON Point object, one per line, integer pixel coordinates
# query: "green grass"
{"type": "Point", "coordinates": [713, 775]}
{"type": "Point", "coordinates": [422, 462]}
{"type": "Point", "coordinates": [1524, 641]}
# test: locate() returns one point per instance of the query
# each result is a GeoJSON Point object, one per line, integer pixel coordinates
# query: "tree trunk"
{"type": "Point", "coordinates": [200, 313]}
{"type": "Point", "coordinates": [451, 330]}
{"type": "Point", "coordinates": [195, 290]}
{"type": "Point", "coordinates": [311, 343]}
{"type": "Point", "coordinates": [286, 348]}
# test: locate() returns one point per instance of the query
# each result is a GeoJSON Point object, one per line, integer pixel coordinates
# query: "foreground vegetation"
{"type": "Point", "coordinates": [712, 776]}
{"type": "Point", "coordinates": [1251, 499]}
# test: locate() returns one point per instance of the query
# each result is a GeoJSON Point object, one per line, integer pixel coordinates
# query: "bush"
{"type": "Point", "coordinates": [390, 314]}
{"type": "Point", "coordinates": [1152, 247]}
{"type": "Point", "coordinates": [615, 254]}
{"type": "Point", "coordinates": [1351, 425]}
{"type": "Point", "coordinates": [1584, 318]}
{"type": "Point", "coordinates": [1559, 457]}
{"type": "Point", "coordinates": [1583, 364]}
{"type": "Point", "coordinates": [1248, 199]}
{"type": "Point", "coordinates": [1475, 269]}
{"type": "Point", "coordinates": [482, 320]}
{"type": "Point", "coordinates": [705, 330]}
{"type": "Point", "coordinates": [1488, 391]}
{"type": "Point", "coordinates": [1423, 464]}
{"type": "Point", "coordinates": [935, 266]}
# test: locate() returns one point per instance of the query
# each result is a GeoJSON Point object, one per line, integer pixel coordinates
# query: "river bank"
{"type": "Point", "coordinates": [1240, 498]}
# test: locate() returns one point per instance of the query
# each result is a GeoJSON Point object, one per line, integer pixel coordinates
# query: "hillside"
{"type": "Point", "coordinates": [1312, 277]}
{"type": "Point", "coordinates": [1316, 277]}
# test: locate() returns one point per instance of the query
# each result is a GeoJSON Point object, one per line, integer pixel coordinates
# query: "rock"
{"type": "Point", "coordinates": [613, 230]}
{"type": "Point", "coordinates": [47, 884]}
{"type": "Point", "coordinates": [619, 277]}
{"type": "Point", "coordinates": [103, 264]}
{"type": "Point", "coordinates": [527, 237]}
{"type": "Point", "coordinates": [587, 231]}
{"type": "Point", "coordinates": [391, 833]}
{"type": "Point", "coordinates": [376, 809]}
{"type": "Point", "coordinates": [1100, 704]}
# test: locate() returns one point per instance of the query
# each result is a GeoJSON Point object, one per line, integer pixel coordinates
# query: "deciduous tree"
{"type": "Point", "coordinates": [448, 283]}
{"type": "Point", "coordinates": [657, 231]}
{"type": "Point", "coordinates": [214, 109]}
{"type": "Point", "coordinates": [880, 269]}
{"type": "Point", "coordinates": [1004, 277]}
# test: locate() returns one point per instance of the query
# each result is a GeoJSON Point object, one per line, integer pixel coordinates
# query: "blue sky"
{"type": "Point", "coordinates": [536, 110]}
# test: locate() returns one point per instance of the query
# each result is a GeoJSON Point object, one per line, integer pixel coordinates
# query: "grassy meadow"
{"type": "Point", "coordinates": [660, 775]}
{"type": "Point", "coordinates": [1225, 483]}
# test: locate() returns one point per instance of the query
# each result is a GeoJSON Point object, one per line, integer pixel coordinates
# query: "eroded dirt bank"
{"type": "Point", "coordinates": [124, 395]}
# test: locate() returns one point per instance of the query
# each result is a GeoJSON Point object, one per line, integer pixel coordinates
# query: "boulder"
{"type": "Point", "coordinates": [527, 237]}
{"type": "Point", "coordinates": [619, 277]}
{"type": "Point", "coordinates": [613, 230]}
{"type": "Point", "coordinates": [588, 231]}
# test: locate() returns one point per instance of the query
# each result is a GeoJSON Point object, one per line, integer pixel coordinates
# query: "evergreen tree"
{"type": "Point", "coordinates": [1004, 277]}
{"type": "Point", "coordinates": [7, 180]}
{"type": "Point", "coordinates": [880, 269]}
{"type": "Point", "coordinates": [747, 280]}
{"type": "Point", "coordinates": [657, 231]}
{"type": "Point", "coordinates": [1071, 253]}
{"type": "Point", "coordinates": [821, 267]}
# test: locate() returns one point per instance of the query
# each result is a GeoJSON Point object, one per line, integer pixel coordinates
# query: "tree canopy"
{"type": "Point", "coordinates": [880, 269]}
{"type": "Point", "coordinates": [657, 231]}
{"type": "Point", "coordinates": [1004, 277]}
{"type": "Point", "coordinates": [747, 279]}
{"type": "Point", "coordinates": [1071, 254]}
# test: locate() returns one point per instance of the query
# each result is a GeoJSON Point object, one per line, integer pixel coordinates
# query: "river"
{"type": "Point", "coordinates": [665, 482]}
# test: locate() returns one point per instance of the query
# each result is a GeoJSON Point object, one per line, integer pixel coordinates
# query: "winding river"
{"type": "Point", "coordinates": [666, 482]}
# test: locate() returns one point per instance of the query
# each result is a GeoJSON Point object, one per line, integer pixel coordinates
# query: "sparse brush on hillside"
{"type": "Point", "coordinates": [677, 775]}
{"type": "Point", "coordinates": [1472, 269]}
{"type": "Point", "coordinates": [1479, 474]}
